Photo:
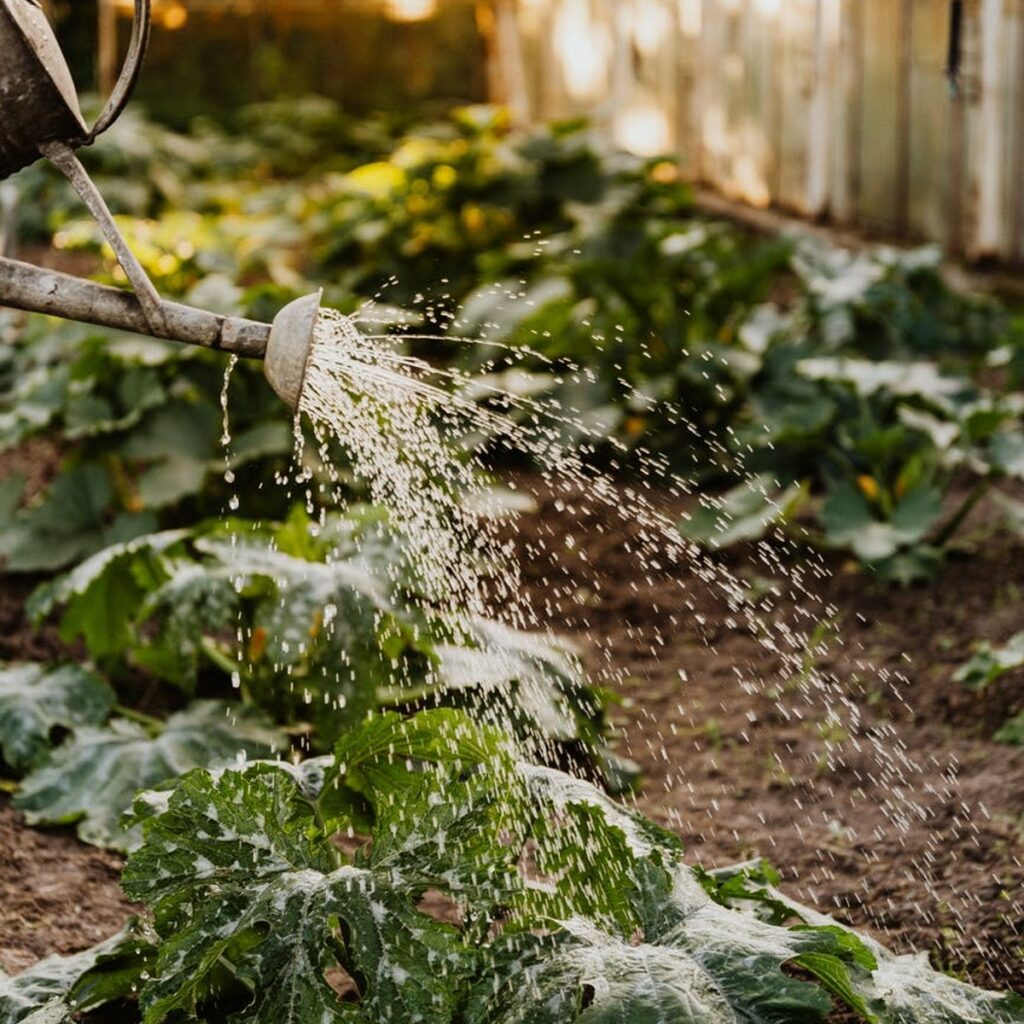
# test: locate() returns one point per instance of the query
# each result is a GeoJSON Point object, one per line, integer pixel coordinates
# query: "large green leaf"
{"type": "Point", "coordinates": [867, 377]}
{"type": "Point", "coordinates": [93, 777]}
{"type": "Point", "coordinates": [101, 597]}
{"type": "Point", "coordinates": [747, 512]}
{"type": "Point", "coordinates": [35, 700]}
{"type": "Point", "coordinates": [176, 444]}
{"type": "Point", "coordinates": [533, 685]}
{"type": "Point", "coordinates": [330, 605]}
{"type": "Point", "coordinates": [52, 989]}
{"type": "Point", "coordinates": [850, 521]}
{"type": "Point", "coordinates": [242, 875]}
{"type": "Point", "coordinates": [41, 985]}
{"type": "Point", "coordinates": [68, 523]}
{"type": "Point", "coordinates": [691, 962]}
{"type": "Point", "coordinates": [906, 990]}
{"type": "Point", "coordinates": [890, 989]}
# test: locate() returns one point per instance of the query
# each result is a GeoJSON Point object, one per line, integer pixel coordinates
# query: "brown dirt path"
{"type": "Point", "coordinates": [934, 861]}
{"type": "Point", "coordinates": [721, 765]}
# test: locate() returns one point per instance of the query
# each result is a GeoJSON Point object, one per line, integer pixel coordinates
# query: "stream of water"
{"type": "Point", "coordinates": [414, 434]}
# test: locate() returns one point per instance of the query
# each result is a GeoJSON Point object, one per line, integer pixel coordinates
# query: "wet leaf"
{"type": "Point", "coordinates": [745, 513]}
{"type": "Point", "coordinates": [286, 909]}
{"type": "Point", "coordinates": [51, 990]}
{"type": "Point", "coordinates": [692, 963]}
{"type": "Point", "coordinates": [36, 700]}
{"type": "Point", "coordinates": [90, 780]}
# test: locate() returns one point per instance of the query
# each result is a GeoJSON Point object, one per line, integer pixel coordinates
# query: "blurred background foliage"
{"type": "Point", "coordinates": [213, 57]}
{"type": "Point", "coordinates": [852, 391]}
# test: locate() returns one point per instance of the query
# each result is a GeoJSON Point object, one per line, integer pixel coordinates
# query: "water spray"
{"type": "Point", "coordinates": [40, 118]}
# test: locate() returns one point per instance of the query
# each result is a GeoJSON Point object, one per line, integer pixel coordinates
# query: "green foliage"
{"type": "Point", "coordinates": [696, 963]}
{"type": "Point", "coordinates": [436, 904]}
{"type": "Point", "coordinates": [988, 663]}
{"type": "Point", "coordinates": [90, 780]}
{"type": "Point", "coordinates": [39, 702]}
{"type": "Point", "coordinates": [140, 426]}
{"type": "Point", "coordinates": [811, 366]}
{"type": "Point", "coordinates": [109, 972]}
{"type": "Point", "coordinates": [420, 871]}
{"type": "Point", "coordinates": [1012, 732]}
{"type": "Point", "coordinates": [317, 624]}
{"type": "Point", "coordinates": [744, 513]}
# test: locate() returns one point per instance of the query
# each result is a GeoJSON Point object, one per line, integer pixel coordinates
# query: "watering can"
{"type": "Point", "coordinates": [40, 117]}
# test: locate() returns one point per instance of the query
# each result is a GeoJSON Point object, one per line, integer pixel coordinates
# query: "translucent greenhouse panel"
{"type": "Point", "coordinates": [935, 207]}
{"type": "Point", "coordinates": [797, 28]}
{"type": "Point", "coordinates": [646, 98]}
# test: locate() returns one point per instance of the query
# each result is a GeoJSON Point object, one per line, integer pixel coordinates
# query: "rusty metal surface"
{"type": "Point", "coordinates": [23, 286]}
{"type": "Point", "coordinates": [37, 103]}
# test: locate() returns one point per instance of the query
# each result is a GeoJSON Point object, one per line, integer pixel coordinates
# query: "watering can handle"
{"type": "Point", "coordinates": [129, 73]}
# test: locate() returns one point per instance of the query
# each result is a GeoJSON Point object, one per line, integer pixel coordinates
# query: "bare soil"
{"type": "Point", "coordinates": [56, 894]}
{"type": "Point", "coordinates": [908, 820]}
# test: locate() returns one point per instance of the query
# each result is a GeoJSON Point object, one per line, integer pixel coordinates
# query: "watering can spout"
{"type": "Point", "coordinates": [284, 346]}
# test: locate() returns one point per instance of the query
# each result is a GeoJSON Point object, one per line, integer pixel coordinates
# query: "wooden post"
{"type": "Point", "coordinates": [506, 63]}
{"type": "Point", "coordinates": [108, 58]}
{"type": "Point", "coordinates": [1016, 192]}
{"type": "Point", "coordinates": [988, 165]}
{"type": "Point", "coordinates": [903, 117]}
{"type": "Point", "coordinates": [818, 135]}
{"type": "Point", "coordinates": [846, 113]}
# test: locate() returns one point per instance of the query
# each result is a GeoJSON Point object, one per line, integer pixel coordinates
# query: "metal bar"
{"type": "Point", "coordinates": [35, 290]}
{"type": "Point", "coordinates": [63, 157]}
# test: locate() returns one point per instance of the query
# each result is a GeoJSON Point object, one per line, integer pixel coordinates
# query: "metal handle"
{"type": "Point", "coordinates": [129, 73]}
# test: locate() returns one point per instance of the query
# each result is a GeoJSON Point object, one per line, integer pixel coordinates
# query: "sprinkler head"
{"type": "Point", "coordinates": [289, 347]}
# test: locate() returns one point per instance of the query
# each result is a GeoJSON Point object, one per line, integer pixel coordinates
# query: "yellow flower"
{"type": "Point", "coordinates": [257, 643]}
{"type": "Point", "coordinates": [445, 176]}
{"type": "Point", "coordinates": [474, 218]}
{"type": "Point", "coordinates": [665, 172]}
{"type": "Point", "coordinates": [868, 486]}
{"type": "Point", "coordinates": [378, 180]}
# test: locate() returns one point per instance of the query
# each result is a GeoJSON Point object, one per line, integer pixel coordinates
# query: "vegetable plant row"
{"type": "Point", "coordinates": [330, 827]}
{"type": "Point", "coordinates": [468, 886]}
{"type": "Point", "coordinates": [849, 386]}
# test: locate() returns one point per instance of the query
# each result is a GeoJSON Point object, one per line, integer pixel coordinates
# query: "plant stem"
{"type": "Point", "coordinates": [150, 723]}
{"type": "Point", "coordinates": [945, 535]}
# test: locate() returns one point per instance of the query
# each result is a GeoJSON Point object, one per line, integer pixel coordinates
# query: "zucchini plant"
{"type": "Point", "coordinates": [309, 625]}
{"type": "Point", "coordinates": [422, 872]}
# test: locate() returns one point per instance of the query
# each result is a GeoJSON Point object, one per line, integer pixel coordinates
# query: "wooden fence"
{"type": "Point", "coordinates": [838, 110]}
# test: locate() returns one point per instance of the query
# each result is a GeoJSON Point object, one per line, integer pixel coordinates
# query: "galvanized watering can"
{"type": "Point", "coordinates": [40, 117]}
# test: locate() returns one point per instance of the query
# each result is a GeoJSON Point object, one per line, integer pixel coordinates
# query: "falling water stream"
{"type": "Point", "coordinates": [411, 432]}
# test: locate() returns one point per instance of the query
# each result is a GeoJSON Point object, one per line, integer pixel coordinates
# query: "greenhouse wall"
{"type": "Point", "coordinates": [838, 110]}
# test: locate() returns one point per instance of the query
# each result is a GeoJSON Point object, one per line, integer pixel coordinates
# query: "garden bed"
{"type": "Point", "coordinates": [720, 768]}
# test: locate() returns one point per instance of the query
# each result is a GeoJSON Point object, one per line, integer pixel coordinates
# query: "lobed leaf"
{"type": "Point", "coordinates": [37, 700]}
{"type": "Point", "coordinates": [91, 780]}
